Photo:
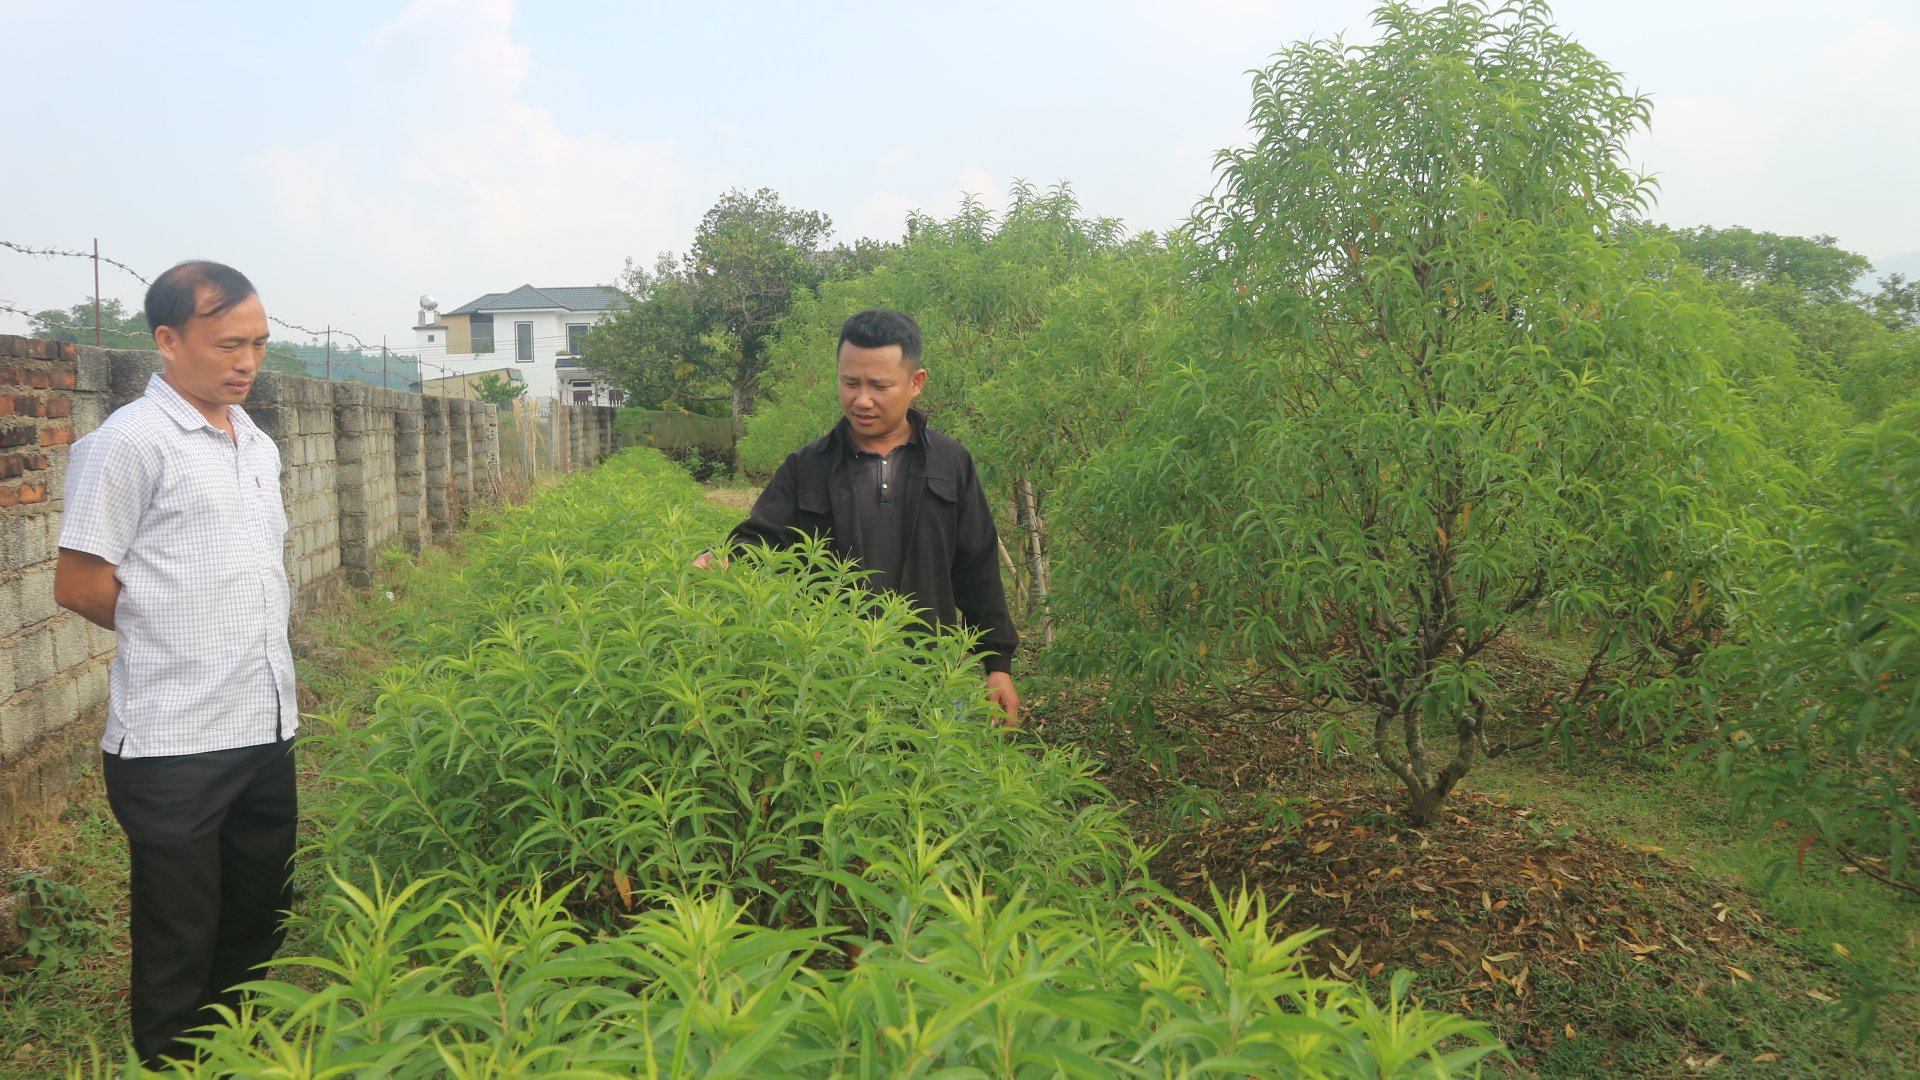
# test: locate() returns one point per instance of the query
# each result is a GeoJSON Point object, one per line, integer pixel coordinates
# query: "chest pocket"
{"type": "Point", "coordinates": [938, 516]}
{"type": "Point", "coordinates": [816, 511]}
{"type": "Point", "coordinates": [268, 504]}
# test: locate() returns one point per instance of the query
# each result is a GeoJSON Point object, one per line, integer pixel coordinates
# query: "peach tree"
{"type": "Point", "coordinates": [1827, 682]}
{"type": "Point", "coordinates": [1443, 388]}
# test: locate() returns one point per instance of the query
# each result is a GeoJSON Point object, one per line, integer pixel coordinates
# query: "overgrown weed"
{"type": "Point", "coordinates": [62, 1003]}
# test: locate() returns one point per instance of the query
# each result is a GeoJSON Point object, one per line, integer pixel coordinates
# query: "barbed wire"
{"type": "Point", "coordinates": [368, 365]}
{"type": "Point", "coordinates": [25, 250]}
{"type": "Point", "coordinates": [322, 333]}
{"type": "Point", "coordinates": [358, 359]}
{"type": "Point", "coordinates": [37, 317]}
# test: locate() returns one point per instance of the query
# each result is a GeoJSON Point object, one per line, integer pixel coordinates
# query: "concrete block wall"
{"type": "Point", "coordinates": [409, 479]}
{"type": "Point", "coordinates": [483, 442]}
{"type": "Point", "coordinates": [604, 419]}
{"type": "Point", "coordinates": [362, 469]}
{"type": "Point", "coordinates": [298, 414]}
{"type": "Point", "coordinates": [583, 435]}
{"type": "Point", "coordinates": [366, 474]}
{"type": "Point", "coordinates": [460, 452]}
{"type": "Point", "coordinates": [554, 416]}
{"type": "Point", "coordinates": [437, 469]}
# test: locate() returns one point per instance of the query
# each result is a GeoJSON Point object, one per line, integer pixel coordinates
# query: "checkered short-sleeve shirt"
{"type": "Point", "coordinates": [194, 525]}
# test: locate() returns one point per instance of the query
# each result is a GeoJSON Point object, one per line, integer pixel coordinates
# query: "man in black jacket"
{"type": "Point", "coordinates": [899, 498]}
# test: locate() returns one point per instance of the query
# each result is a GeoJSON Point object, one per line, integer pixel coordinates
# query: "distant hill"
{"type": "Point", "coordinates": [1907, 263]}
{"type": "Point", "coordinates": [395, 372]}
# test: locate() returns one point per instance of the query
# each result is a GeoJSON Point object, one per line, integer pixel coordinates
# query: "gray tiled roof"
{"type": "Point", "coordinates": [561, 297]}
{"type": "Point", "coordinates": [472, 306]}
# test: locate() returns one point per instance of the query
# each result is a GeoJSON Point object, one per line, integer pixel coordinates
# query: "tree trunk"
{"type": "Point", "coordinates": [1427, 791]}
{"type": "Point", "coordinates": [1036, 554]}
{"type": "Point", "coordinates": [738, 400]}
{"type": "Point", "coordinates": [1423, 807]}
{"type": "Point", "coordinates": [1013, 572]}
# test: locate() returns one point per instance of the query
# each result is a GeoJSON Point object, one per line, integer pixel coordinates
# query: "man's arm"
{"type": "Point", "coordinates": [981, 595]}
{"type": "Point", "coordinates": [86, 584]}
{"type": "Point", "coordinates": [110, 480]}
{"type": "Point", "coordinates": [771, 521]}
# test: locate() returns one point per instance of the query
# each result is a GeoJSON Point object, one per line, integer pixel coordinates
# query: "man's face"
{"type": "Point", "coordinates": [212, 360]}
{"type": "Point", "coordinates": [875, 390]}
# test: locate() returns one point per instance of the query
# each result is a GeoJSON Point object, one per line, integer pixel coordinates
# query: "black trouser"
{"type": "Point", "coordinates": [211, 838]}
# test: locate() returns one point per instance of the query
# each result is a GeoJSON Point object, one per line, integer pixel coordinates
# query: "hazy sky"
{"type": "Point", "coordinates": [352, 155]}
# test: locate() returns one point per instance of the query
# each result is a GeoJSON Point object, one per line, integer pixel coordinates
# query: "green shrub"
{"type": "Point", "coordinates": [1882, 375]}
{"type": "Point", "coordinates": [1833, 663]}
{"type": "Point", "coordinates": [986, 987]}
{"type": "Point", "coordinates": [595, 710]}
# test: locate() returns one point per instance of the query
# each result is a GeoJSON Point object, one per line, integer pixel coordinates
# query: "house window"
{"type": "Point", "coordinates": [482, 328]}
{"type": "Point", "coordinates": [429, 339]}
{"type": "Point", "coordinates": [576, 338]}
{"type": "Point", "coordinates": [523, 342]}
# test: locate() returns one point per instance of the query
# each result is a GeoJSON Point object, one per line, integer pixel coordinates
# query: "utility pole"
{"type": "Point", "coordinates": [96, 291]}
{"type": "Point", "coordinates": [329, 352]}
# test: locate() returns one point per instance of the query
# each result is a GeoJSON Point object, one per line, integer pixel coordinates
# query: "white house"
{"type": "Point", "coordinates": [539, 332]}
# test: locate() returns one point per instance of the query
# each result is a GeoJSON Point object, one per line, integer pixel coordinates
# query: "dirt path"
{"type": "Point", "coordinates": [736, 498]}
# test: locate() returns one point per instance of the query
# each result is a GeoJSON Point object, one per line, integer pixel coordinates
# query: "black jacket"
{"type": "Point", "coordinates": [950, 562]}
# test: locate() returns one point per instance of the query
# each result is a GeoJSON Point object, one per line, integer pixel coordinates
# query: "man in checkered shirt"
{"type": "Point", "coordinates": [171, 535]}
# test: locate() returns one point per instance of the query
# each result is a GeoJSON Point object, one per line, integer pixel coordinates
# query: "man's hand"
{"type": "Point", "coordinates": [1000, 691]}
{"type": "Point", "coordinates": [706, 559]}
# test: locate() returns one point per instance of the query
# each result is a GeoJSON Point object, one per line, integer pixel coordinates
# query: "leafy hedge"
{"type": "Point", "coordinates": [592, 709]}
{"type": "Point", "coordinates": [611, 816]}
{"type": "Point", "coordinates": [1827, 679]}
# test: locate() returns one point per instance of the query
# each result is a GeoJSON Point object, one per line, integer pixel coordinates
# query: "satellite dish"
{"type": "Point", "coordinates": [428, 303]}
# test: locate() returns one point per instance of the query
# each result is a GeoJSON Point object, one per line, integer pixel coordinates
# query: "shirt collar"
{"type": "Point", "coordinates": [916, 423]}
{"type": "Point", "coordinates": [189, 418]}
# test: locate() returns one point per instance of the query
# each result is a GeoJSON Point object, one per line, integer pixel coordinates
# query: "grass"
{"type": "Point", "coordinates": [78, 997]}
{"type": "Point", "coordinates": [1804, 940]}
{"type": "Point", "coordinates": [734, 495]}
{"type": "Point", "coordinates": [1828, 932]}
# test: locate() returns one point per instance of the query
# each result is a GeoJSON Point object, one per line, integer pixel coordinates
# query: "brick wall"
{"type": "Point", "coordinates": [362, 469]}
{"type": "Point", "coordinates": [53, 663]}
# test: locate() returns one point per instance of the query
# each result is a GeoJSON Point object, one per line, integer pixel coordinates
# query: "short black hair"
{"type": "Point", "coordinates": [877, 328]}
{"type": "Point", "coordinates": [174, 297]}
